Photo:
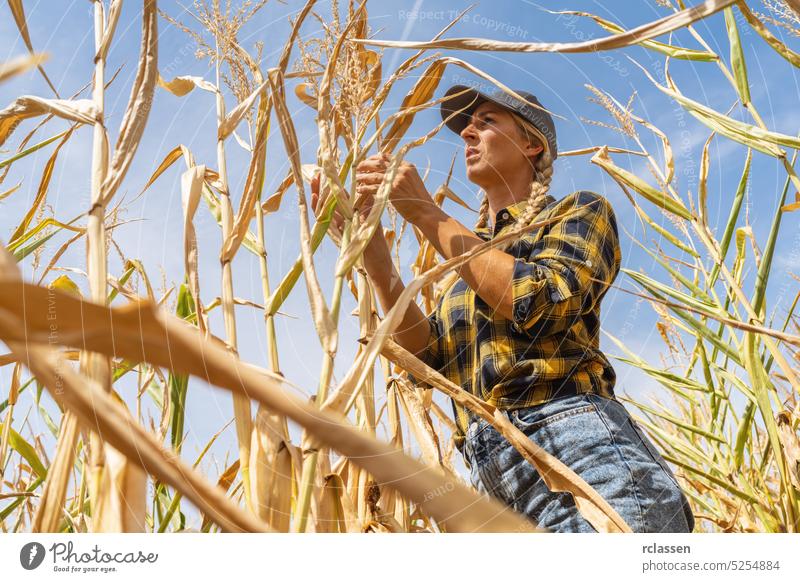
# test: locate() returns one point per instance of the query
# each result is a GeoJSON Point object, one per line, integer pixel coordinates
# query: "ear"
{"type": "Point", "coordinates": [533, 149]}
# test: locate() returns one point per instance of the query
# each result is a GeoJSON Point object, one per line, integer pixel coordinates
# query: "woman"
{"type": "Point", "coordinates": [520, 326]}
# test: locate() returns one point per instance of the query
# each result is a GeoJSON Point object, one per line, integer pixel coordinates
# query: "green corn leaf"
{"type": "Point", "coordinates": [737, 57]}
{"type": "Point", "coordinates": [634, 182]}
{"type": "Point", "coordinates": [32, 149]}
{"type": "Point", "coordinates": [743, 434]}
{"type": "Point", "coordinates": [27, 452]}
{"type": "Point", "coordinates": [733, 217]}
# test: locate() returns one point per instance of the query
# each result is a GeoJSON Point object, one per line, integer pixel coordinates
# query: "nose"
{"type": "Point", "coordinates": [468, 132]}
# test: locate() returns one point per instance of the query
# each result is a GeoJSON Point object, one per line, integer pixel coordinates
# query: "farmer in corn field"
{"type": "Point", "coordinates": [520, 326]}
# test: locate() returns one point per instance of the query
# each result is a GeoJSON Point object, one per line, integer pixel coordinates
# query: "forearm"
{"type": "Point", "coordinates": [413, 333]}
{"type": "Point", "coordinates": [490, 274]}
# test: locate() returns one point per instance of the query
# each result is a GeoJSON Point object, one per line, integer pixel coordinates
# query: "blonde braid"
{"type": "Point", "coordinates": [543, 175]}
{"type": "Point", "coordinates": [483, 213]}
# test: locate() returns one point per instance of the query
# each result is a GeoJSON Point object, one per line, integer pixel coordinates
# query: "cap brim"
{"type": "Point", "coordinates": [462, 105]}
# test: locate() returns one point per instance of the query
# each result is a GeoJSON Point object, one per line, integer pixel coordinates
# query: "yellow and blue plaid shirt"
{"type": "Point", "coordinates": [551, 347]}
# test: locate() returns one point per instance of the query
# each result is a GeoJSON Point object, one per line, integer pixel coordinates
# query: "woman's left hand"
{"type": "Point", "coordinates": [408, 193]}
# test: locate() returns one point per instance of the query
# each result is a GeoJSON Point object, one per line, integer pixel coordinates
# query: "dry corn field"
{"type": "Point", "coordinates": [103, 358]}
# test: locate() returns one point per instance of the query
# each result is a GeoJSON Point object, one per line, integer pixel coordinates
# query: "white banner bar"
{"type": "Point", "coordinates": [401, 557]}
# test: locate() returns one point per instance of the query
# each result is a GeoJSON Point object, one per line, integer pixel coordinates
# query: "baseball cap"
{"type": "Point", "coordinates": [468, 101]}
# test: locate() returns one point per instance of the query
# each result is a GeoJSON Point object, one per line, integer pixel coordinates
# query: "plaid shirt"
{"type": "Point", "coordinates": [551, 348]}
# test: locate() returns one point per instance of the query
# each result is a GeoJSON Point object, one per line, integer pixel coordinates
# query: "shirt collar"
{"type": "Point", "coordinates": [507, 215]}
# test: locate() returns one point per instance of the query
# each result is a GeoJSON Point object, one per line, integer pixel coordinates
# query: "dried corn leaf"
{"type": "Point", "coordinates": [19, 65]}
{"type": "Point", "coordinates": [114, 10]}
{"type": "Point", "coordinates": [669, 158]}
{"type": "Point", "coordinates": [326, 328]}
{"type": "Point", "coordinates": [634, 36]}
{"type": "Point", "coordinates": [702, 188]}
{"type": "Point", "coordinates": [138, 109]}
{"type": "Point", "coordinates": [180, 86]}
{"type": "Point", "coordinates": [370, 61]}
{"type": "Point", "coordinates": [271, 471]}
{"type": "Point", "coordinates": [27, 106]}
{"type": "Point", "coordinates": [10, 191]}
{"type": "Point", "coordinates": [224, 482]}
{"type": "Point", "coordinates": [301, 92]}
{"type": "Point", "coordinates": [51, 506]}
{"type": "Point", "coordinates": [252, 188]}
{"type": "Point", "coordinates": [675, 52]}
{"type": "Point", "coordinates": [273, 203]}
{"type": "Point", "coordinates": [331, 513]}
{"type": "Point", "coordinates": [18, 12]}
{"type": "Point", "coordinates": [41, 192]}
{"type": "Point", "coordinates": [191, 188]}
{"type": "Point", "coordinates": [445, 191]}
{"type": "Point", "coordinates": [420, 93]}
{"type": "Point", "coordinates": [791, 445]}
{"type": "Point", "coordinates": [124, 510]}
{"type": "Point", "coordinates": [420, 423]}
{"type": "Point", "coordinates": [238, 113]}
{"type": "Point", "coordinates": [173, 156]}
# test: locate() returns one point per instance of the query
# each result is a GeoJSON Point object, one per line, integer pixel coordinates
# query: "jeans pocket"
{"type": "Point", "coordinates": [532, 418]}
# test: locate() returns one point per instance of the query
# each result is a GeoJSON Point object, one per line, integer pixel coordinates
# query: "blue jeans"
{"type": "Point", "coordinates": [597, 438]}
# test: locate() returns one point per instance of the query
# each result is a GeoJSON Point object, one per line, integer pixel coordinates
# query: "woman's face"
{"type": "Point", "coordinates": [495, 148]}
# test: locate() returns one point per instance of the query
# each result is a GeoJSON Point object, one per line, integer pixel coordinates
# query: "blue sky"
{"type": "Point", "coordinates": [154, 232]}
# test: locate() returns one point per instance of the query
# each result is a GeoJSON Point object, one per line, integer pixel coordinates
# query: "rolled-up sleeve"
{"type": "Point", "coordinates": [432, 354]}
{"type": "Point", "coordinates": [569, 269]}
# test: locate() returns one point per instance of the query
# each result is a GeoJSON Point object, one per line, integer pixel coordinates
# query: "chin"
{"type": "Point", "coordinates": [477, 175]}
{"type": "Point", "coordinates": [475, 169]}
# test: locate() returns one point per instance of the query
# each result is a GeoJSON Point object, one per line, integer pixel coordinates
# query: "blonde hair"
{"type": "Point", "coordinates": [542, 175]}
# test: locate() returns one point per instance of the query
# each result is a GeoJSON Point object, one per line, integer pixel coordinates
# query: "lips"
{"type": "Point", "coordinates": [471, 153]}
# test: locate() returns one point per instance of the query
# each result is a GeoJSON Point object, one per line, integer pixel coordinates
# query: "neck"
{"type": "Point", "coordinates": [506, 192]}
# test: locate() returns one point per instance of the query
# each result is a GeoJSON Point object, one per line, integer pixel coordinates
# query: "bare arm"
{"type": "Point", "coordinates": [414, 332]}
{"type": "Point", "coordinates": [490, 274]}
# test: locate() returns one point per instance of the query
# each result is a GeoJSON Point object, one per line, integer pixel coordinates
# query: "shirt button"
{"type": "Point", "coordinates": [588, 263]}
{"type": "Point", "coordinates": [504, 215]}
{"type": "Point", "coordinates": [554, 296]}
